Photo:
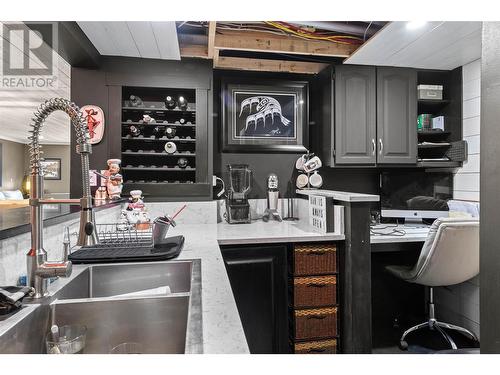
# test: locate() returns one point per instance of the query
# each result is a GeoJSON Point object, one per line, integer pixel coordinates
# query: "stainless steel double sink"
{"type": "Point", "coordinates": [93, 296]}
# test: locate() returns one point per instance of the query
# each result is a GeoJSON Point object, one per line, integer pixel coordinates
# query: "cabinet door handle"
{"type": "Point", "coordinates": [316, 317]}
{"type": "Point", "coordinates": [316, 350]}
{"type": "Point", "coordinates": [374, 146]}
{"type": "Point", "coordinates": [316, 285]}
{"type": "Point", "coordinates": [381, 146]}
{"type": "Point", "coordinates": [317, 252]}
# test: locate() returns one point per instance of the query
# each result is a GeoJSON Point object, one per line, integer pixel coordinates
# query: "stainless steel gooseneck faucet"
{"type": "Point", "coordinates": [39, 269]}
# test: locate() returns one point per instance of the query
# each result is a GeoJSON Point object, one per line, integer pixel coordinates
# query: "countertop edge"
{"type": "Point", "coordinates": [343, 196]}
{"type": "Point", "coordinates": [250, 240]}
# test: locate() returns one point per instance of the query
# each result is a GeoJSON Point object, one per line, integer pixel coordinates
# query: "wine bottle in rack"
{"type": "Point", "coordinates": [182, 162]}
{"type": "Point", "coordinates": [170, 132]}
{"type": "Point", "coordinates": [182, 103]}
{"type": "Point", "coordinates": [135, 101]}
{"type": "Point", "coordinates": [170, 102]}
{"type": "Point", "coordinates": [182, 121]}
{"type": "Point", "coordinates": [158, 131]}
{"type": "Point", "coordinates": [134, 131]}
{"type": "Point", "coordinates": [170, 147]}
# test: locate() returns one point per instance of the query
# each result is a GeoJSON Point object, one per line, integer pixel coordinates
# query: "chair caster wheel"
{"type": "Point", "coordinates": [403, 345]}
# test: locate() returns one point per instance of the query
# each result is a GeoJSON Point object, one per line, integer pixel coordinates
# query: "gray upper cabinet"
{"type": "Point", "coordinates": [396, 116]}
{"type": "Point", "coordinates": [355, 115]}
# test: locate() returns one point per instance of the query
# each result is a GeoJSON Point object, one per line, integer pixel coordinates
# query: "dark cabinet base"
{"type": "Point", "coordinates": [258, 276]}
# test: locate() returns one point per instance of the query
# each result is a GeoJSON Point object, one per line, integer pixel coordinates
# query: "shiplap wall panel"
{"type": "Point", "coordinates": [467, 181]}
{"type": "Point", "coordinates": [473, 144]}
{"type": "Point", "coordinates": [471, 126]}
{"type": "Point", "coordinates": [472, 107]}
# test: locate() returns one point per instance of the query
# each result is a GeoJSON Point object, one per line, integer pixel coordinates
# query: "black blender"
{"type": "Point", "coordinates": [240, 183]}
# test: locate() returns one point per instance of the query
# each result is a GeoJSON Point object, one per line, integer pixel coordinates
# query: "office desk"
{"type": "Point", "coordinates": [412, 236]}
{"type": "Point", "coordinates": [391, 297]}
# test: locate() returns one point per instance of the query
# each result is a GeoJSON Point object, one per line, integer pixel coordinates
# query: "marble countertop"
{"type": "Point", "coordinates": [343, 196]}
{"type": "Point", "coordinates": [222, 328]}
{"type": "Point", "coordinates": [271, 232]}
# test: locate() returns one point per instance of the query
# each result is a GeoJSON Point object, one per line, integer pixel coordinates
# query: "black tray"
{"type": "Point", "coordinates": [168, 249]}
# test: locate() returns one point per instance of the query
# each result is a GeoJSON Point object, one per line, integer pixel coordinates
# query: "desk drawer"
{"type": "Point", "coordinates": [315, 323]}
{"type": "Point", "coordinates": [316, 347]}
{"type": "Point", "coordinates": [314, 291]}
{"type": "Point", "coordinates": [314, 259]}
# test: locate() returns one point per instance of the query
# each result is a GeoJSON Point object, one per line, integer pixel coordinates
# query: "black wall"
{"type": "Point", "coordinates": [283, 164]}
{"type": "Point", "coordinates": [102, 86]}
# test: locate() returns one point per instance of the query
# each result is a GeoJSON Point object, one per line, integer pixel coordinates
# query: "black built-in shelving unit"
{"type": "Point", "coordinates": [450, 140]}
{"type": "Point", "coordinates": [145, 163]}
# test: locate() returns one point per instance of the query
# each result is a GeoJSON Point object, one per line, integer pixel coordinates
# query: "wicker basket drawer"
{"type": "Point", "coordinates": [316, 347]}
{"type": "Point", "coordinates": [315, 323]}
{"type": "Point", "coordinates": [314, 291]}
{"type": "Point", "coordinates": [315, 259]}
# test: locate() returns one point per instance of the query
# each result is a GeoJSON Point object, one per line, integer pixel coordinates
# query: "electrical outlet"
{"type": "Point", "coordinates": [214, 180]}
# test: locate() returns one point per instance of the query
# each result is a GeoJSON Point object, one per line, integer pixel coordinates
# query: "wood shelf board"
{"type": "Point", "coordinates": [136, 153]}
{"type": "Point", "coordinates": [162, 139]}
{"type": "Point", "coordinates": [159, 169]}
{"type": "Point", "coordinates": [432, 133]}
{"type": "Point", "coordinates": [445, 145]}
{"type": "Point", "coordinates": [158, 109]}
{"type": "Point", "coordinates": [439, 164]}
{"type": "Point", "coordinates": [157, 123]}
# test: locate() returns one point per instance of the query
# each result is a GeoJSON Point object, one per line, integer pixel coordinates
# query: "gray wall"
{"type": "Point", "coordinates": [489, 189]}
{"type": "Point", "coordinates": [13, 166]}
{"type": "Point", "coordinates": [62, 152]}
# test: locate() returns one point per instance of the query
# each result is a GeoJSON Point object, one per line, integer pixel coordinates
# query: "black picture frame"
{"type": "Point", "coordinates": [55, 168]}
{"type": "Point", "coordinates": [268, 117]}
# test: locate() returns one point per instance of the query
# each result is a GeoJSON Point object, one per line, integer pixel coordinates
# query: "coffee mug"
{"type": "Point", "coordinates": [316, 180]}
{"type": "Point", "coordinates": [302, 180]}
{"type": "Point", "coordinates": [299, 164]}
{"type": "Point", "coordinates": [312, 164]}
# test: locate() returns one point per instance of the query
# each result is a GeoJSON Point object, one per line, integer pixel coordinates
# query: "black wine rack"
{"type": "Point", "coordinates": [144, 156]}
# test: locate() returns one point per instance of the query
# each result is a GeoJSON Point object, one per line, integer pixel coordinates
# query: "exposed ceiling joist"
{"type": "Point", "coordinates": [212, 25]}
{"type": "Point", "coordinates": [194, 50]}
{"type": "Point", "coordinates": [281, 66]}
{"type": "Point", "coordinates": [264, 42]}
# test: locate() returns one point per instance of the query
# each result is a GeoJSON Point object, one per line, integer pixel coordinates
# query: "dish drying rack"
{"type": "Point", "coordinates": [123, 235]}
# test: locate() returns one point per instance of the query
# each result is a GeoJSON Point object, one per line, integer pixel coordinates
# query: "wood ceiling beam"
{"type": "Point", "coordinates": [212, 25]}
{"type": "Point", "coordinates": [265, 42]}
{"type": "Point", "coordinates": [261, 65]}
{"type": "Point", "coordinates": [194, 50]}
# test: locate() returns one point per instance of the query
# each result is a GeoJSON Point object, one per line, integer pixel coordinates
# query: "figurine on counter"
{"type": "Point", "coordinates": [137, 213]}
{"type": "Point", "coordinates": [135, 201]}
{"type": "Point", "coordinates": [114, 179]}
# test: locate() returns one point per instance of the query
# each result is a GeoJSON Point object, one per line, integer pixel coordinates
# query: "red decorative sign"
{"type": "Point", "coordinates": [94, 116]}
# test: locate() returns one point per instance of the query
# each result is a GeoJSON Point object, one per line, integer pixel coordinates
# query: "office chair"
{"type": "Point", "coordinates": [450, 255]}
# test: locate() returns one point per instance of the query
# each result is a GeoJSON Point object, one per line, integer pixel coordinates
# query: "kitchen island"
{"type": "Point", "coordinates": [222, 329]}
